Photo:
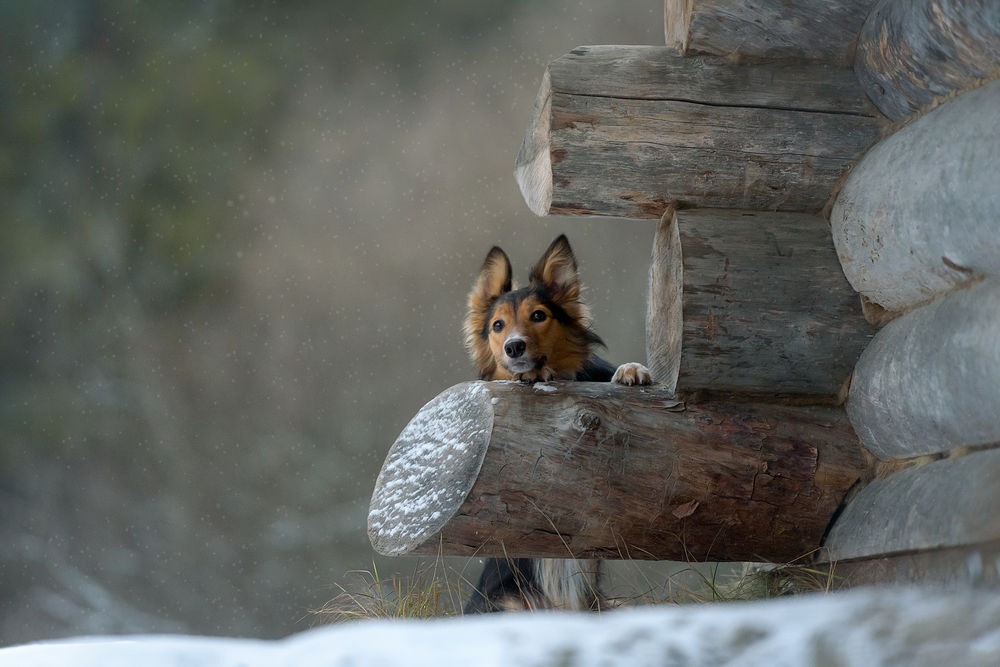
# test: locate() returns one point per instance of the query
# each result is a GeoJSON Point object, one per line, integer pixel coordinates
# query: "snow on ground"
{"type": "Point", "coordinates": [863, 627]}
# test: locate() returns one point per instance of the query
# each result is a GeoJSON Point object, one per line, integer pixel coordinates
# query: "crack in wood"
{"type": "Point", "coordinates": [721, 105]}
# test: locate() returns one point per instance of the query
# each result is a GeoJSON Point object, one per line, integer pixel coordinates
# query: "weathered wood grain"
{"type": "Point", "coordinates": [967, 567]}
{"type": "Point", "coordinates": [623, 131]}
{"type": "Point", "coordinates": [753, 303]}
{"type": "Point", "coordinates": [930, 380]}
{"type": "Point", "coordinates": [821, 30]}
{"type": "Point", "coordinates": [946, 503]}
{"type": "Point", "coordinates": [597, 470]}
{"type": "Point", "coordinates": [920, 214]}
{"type": "Point", "coordinates": [912, 52]}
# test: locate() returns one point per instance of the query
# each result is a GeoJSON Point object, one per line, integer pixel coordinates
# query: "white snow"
{"type": "Point", "coordinates": [863, 627]}
{"type": "Point", "coordinates": [416, 483]}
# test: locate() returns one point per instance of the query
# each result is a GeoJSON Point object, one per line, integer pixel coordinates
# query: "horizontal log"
{"type": "Point", "coordinates": [930, 380]}
{"type": "Point", "coordinates": [946, 503]}
{"type": "Point", "coordinates": [919, 214]}
{"type": "Point", "coordinates": [624, 130]}
{"type": "Point", "coordinates": [964, 568]}
{"type": "Point", "coordinates": [820, 30]}
{"type": "Point", "coordinates": [598, 470]}
{"type": "Point", "coordinates": [912, 52]}
{"type": "Point", "coordinates": [752, 303]}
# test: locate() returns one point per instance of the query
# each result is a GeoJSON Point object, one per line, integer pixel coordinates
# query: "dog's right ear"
{"type": "Point", "coordinates": [495, 278]}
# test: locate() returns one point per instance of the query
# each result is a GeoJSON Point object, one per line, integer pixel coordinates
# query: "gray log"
{"type": "Point", "coordinates": [930, 380]}
{"type": "Point", "coordinates": [752, 303]}
{"type": "Point", "coordinates": [920, 214]}
{"type": "Point", "coordinates": [597, 470]}
{"type": "Point", "coordinates": [946, 503]}
{"type": "Point", "coordinates": [966, 567]}
{"type": "Point", "coordinates": [912, 52]}
{"type": "Point", "coordinates": [624, 130]}
{"type": "Point", "coordinates": [818, 30]}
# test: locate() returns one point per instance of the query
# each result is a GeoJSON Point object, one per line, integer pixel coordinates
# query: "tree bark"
{"type": "Point", "coordinates": [597, 470]}
{"type": "Point", "coordinates": [920, 214]}
{"type": "Point", "coordinates": [912, 52]}
{"type": "Point", "coordinates": [624, 131]}
{"type": "Point", "coordinates": [821, 30]}
{"type": "Point", "coordinates": [930, 380]}
{"type": "Point", "coordinates": [752, 303]}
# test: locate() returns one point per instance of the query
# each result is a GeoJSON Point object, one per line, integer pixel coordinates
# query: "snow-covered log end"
{"type": "Point", "coordinates": [430, 469]}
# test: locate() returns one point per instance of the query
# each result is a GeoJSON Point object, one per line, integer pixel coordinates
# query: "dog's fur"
{"type": "Point", "coordinates": [537, 333]}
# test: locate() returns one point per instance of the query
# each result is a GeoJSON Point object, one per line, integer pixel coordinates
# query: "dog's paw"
{"type": "Point", "coordinates": [632, 373]}
{"type": "Point", "coordinates": [544, 374]}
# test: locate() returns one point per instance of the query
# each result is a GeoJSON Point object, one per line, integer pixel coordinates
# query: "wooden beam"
{"type": "Point", "coordinates": [912, 52]}
{"type": "Point", "coordinates": [625, 130]}
{"type": "Point", "coordinates": [965, 568]}
{"type": "Point", "coordinates": [820, 30]}
{"type": "Point", "coordinates": [751, 302]}
{"type": "Point", "coordinates": [597, 470]}
{"type": "Point", "coordinates": [930, 380]}
{"type": "Point", "coordinates": [946, 503]}
{"type": "Point", "coordinates": [918, 215]}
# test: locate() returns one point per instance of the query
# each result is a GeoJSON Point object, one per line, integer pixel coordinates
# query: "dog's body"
{"type": "Point", "coordinates": [537, 333]}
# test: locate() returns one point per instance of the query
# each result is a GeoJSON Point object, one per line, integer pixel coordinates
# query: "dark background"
{"type": "Point", "coordinates": [235, 244]}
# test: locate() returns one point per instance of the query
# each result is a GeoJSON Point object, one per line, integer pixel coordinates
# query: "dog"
{"type": "Point", "coordinates": [537, 333]}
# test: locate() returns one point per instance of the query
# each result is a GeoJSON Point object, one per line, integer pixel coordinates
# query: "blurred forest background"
{"type": "Point", "coordinates": [234, 253]}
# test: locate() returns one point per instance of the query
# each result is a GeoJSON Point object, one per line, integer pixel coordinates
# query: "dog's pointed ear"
{"type": "Point", "coordinates": [495, 278]}
{"type": "Point", "coordinates": [556, 271]}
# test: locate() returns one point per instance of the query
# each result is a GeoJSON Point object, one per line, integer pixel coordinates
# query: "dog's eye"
{"type": "Point", "coordinates": [498, 326]}
{"type": "Point", "coordinates": [538, 316]}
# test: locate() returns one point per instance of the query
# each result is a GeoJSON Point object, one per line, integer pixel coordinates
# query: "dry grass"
{"type": "Point", "coordinates": [435, 590]}
{"type": "Point", "coordinates": [762, 581]}
{"type": "Point", "coordinates": [434, 593]}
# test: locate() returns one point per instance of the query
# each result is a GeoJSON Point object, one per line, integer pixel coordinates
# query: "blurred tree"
{"type": "Point", "coordinates": [208, 212]}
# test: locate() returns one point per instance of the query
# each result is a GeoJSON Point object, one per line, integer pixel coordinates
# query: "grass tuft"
{"type": "Point", "coordinates": [434, 590]}
{"type": "Point", "coordinates": [424, 594]}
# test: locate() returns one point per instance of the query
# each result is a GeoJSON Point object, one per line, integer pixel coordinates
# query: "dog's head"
{"type": "Point", "coordinates": [538, 332]}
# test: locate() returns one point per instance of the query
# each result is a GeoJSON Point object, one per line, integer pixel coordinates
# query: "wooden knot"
{"type": "Point", "coordinates": [586, 420]}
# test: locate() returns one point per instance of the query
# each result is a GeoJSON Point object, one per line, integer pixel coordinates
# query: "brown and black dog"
{"type": "Point", "coordinates": [535, 334]}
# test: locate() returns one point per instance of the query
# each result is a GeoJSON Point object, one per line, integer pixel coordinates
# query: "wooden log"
{"type": "Point", "coordinates": [946, 503]}
{"type": "Point", "coordinates": [930, 380]}
{"type": "Point", "coordinates": [821, 30]}
{"type": "Point", "coordinates": [624, 130]}
{"type": "Point", "coordinates": [966, 568]}
{"type": "Point", "coordinates": [912, 52]}
{"type": "Point", "coordinates": [919, 214]}
{"type": "Point", "coordinates": [598, 470]}
{"type": "Point", "coordinates": [751, 303]}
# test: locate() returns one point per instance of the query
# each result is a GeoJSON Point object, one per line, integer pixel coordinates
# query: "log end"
{"type": "Point", "coordinates": [929, 381]}
{"type": "Point", "coordinates": [934, 506]}
{"type": "Point", "coordinates": [916, 217]}
{"type": "Point", "coordinates": [430, 469]}
{"type": "Point", "coordinates": [677, 24]}
{"type": "Point", "coordinates": [664, 317]}
{"type": "Point", "coordinates": [533, 167]}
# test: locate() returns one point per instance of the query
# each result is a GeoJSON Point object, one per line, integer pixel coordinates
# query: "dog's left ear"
{"type": "Point", "coordinates": [556, 271]}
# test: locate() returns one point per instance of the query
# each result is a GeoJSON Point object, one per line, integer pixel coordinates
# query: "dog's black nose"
{"type": "Point", "coordinates": [514, 348]}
